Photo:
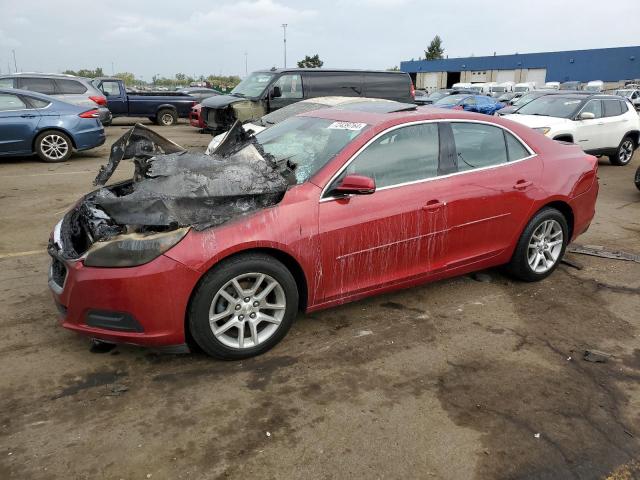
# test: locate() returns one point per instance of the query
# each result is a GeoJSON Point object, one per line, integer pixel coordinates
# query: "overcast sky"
{"type": "Point", "coordinates": [201, 37]}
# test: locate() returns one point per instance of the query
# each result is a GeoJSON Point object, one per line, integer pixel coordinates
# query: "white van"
{"type": "Point", "coordinates": [552, 85]}
{"type": "Point", "coordinates": [524, 87]}
{"type": "Point", "coordinates": [501, 88]}
{"type": "Point", "coordinates": [595, 86]}
{"type": "Point", "coordinates": [461, 86]}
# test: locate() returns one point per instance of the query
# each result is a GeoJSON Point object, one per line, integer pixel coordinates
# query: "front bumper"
{"type": "Point", "coordinates": [144, 305]}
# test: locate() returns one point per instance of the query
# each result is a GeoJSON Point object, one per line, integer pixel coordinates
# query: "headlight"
{"type": "Point", "coordinates": [132, 249]}
{"type": "Point", "coordinates": [542, 130]}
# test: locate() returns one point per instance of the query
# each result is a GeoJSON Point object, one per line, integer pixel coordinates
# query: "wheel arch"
{"type": "Point", "coordinates": [283, 257]}
{"type": "Point", "coordinates": [635, 136]}
{"type": "Point", "coordinates": [166, 106]}
{"type": "Point", "coordinates": [52, 129]}
{"type": "Point", "coordinates": [565, 209]}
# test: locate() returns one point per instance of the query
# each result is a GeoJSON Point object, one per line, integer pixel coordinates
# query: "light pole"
{"type": "Point", "coordinates": [284, 30]}
{"type": "Point", "coordinates": [246, 68]}
{"type": "Point", "coordinates": [15, 64]}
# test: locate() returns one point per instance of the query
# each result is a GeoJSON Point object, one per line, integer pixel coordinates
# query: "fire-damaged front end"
{"type": "Point", "coordinates": [131, 224]}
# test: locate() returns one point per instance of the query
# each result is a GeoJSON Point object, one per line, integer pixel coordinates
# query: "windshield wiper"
{"type": "Point", "coordinates": [237, 94]}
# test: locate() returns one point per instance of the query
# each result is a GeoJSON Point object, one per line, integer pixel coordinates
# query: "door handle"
{"type": "Point", "coordinates": [522, 184]}
{"type": "Point", "coordinates": [28, 115]}
{"type": "Point", "coordinates": [432, 205]}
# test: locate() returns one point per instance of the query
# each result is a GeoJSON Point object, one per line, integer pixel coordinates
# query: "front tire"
{"type": "Point", "coordinates": [540, 247]}
{"type": "Point", "coordinates": [167, 117]}
{"type": "Point", "coordinates": [243, 307]}
{"type": "Point", "coordinates": [624, 153]}
{"type": "Point", "coordinates": [636, 179]}
{"type": "Point", "coordinates": [53, 146]}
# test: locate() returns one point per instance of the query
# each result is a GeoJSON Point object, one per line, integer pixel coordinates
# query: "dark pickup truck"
{"type": "Point", "coordinates": [163, 108]}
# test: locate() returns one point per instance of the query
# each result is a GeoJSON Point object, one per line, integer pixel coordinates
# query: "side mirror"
{"type": "Point", "coordinates": [276, 92]}
{"type": "Point", "coordinates": [355, 185]}
{"type": "Point", "coordinates": [106, 94]}
{"type": "Point", "coordinates": [586, 116]}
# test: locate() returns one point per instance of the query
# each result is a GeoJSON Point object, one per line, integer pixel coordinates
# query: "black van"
{"type": "Point", "coordinates": [267, 90]}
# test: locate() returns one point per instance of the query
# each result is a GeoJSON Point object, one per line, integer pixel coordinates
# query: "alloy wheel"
{"type": "Point", "coordinates": [545, 246]}
{"type": "Point", "coordinates": [167, 119]}
{"type": "Point", "coordinates": [247, 310]}
{"type": "Point", "coordinates": [54, 146]}
{"type": "Point", "coordinates": [626, 151]}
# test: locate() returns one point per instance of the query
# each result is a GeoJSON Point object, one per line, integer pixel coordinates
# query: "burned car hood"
{"type": "Point", "coordinates": [220, 101]}
{"type": "Point", "coordinates": [173, 188]}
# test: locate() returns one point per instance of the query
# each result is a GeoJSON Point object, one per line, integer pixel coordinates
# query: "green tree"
{"type": "Point", "coordinates": [85, 72]}
{"type": "Point", "coordinates": [435, 50]}
{"type": "Point", "coordinates": [127, 77]}
{"type": "Point", "coordinates": [310, 62]}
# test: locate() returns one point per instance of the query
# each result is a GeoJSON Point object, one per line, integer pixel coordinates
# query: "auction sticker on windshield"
{"type": "Point", "coordinates": [347, 126]}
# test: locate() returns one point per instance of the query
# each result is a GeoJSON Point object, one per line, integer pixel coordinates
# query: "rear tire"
{"type": "Point", "coordinates": [153, 119]}
{"type": "Point", "coordinates": [624, 153]}
{"type": "Point", "coordinates": [538, 252]}
{"type": "Point", "coordinates": [167, 117]}
{"type": "Point", "coordinates": [53, 146]}
{"type": "Point", "coordinates": [243, 307]}
{"type": "Point", "coordinates": [637, 178]}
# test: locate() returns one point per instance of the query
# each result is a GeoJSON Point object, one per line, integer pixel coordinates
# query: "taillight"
{"type": "Point", "coordinates": [100, 100]}
{"type": "Point", "coordinates": [90, 114]}
{"type": "Point", "coordinates": [413, 91]}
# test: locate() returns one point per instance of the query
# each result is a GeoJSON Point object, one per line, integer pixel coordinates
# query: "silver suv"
{"type": "Point", "coordinates": [67, 88]}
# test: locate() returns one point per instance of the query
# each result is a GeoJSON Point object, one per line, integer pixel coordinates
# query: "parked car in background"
{"type": "Point", "coordinates": [524, 87]}
{"type": "Point", "coordinates": [66, 88]}
{"type": "Point", "coordinates": [524, 99]}
{"type": "Point", "coordinates": [552, 85]}
{"type": "Point", "coordinates": [319, 103]}
{"type": "Point", "coordinates": [470, 103]}
{"type": "Point", "coordinates": [507, 97]}
{"type": "Point", "coordinates": [195, 119]}
{"type": "Point", "coordinates": [163, 108]}
{"type": "Point", "coordinates": [632, 94]}
{"type": "Point", "coordinates": [199, 93]}
{"type": "Point", "coordinates": [268, 90]}
{"type": "Point", "coordinates": [594, 86]}
{"type": "Point", "coordinates": [600, 124]}
{"type": "Point", "coordinates": [368, 187]}
{"type": "Point", "coordinates": [462, 86]}
{"type": "Point", "coordinates": [437, 95]}
{"type": "Point", "coordinates": [32, 123]}
{"type": "Point", "coordinates": [572, 85]}
{"type": "Point", "coordinates": [500, 89]}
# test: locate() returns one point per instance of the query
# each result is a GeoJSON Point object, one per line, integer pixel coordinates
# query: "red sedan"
{"type": "Point", "coordinates": [378, 202]}
{"type": "Point", "coordinates": [195, 120]}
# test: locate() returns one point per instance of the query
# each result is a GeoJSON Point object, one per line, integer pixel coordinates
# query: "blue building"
{"type": "Point", "coordinates": [610, 65]}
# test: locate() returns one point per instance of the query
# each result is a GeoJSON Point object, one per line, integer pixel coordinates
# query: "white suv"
{"type": "Point", "coordinates": [600, 124]}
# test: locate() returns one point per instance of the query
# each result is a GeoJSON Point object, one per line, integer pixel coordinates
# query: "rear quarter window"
{"type": "Point", "coordinates": [515, 149]}
{"type": "Point", "coordinates": [324, 84]}
{"type": "Point", "coordinates": [7, 82]}
{"type": "Point", "coordinates": [40, 85]}
{"type": "Point", "coordinates": [69, 87]}
{"type": "Point", "coordinates": [390, 86]}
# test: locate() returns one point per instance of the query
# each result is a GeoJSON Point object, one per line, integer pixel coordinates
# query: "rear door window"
{"type": "Point", "coordinates": [6, 82]}
{"type": "Point", "coordinates": [10, 102]}
{"type": "Point", "coordinates": [406, 154]}
{"type": "Point", "coordinates": [612, 108]}
{"type": "Point", "coordinates": [478, 145]}
{"type": "Point", "coordinates": [36, 84]}
{"type": "Point", "coordinates": [70, 87]}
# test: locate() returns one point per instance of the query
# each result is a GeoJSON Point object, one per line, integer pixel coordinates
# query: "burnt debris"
{"type": "Point", "coordinates": [173, 188]}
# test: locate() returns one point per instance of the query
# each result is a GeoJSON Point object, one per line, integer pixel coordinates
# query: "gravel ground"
{"type": "Point", "coordinates": [457, 379]}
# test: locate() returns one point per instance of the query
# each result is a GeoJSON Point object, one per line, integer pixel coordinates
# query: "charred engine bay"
{"type": "Point", "coordinates": [173, 188]}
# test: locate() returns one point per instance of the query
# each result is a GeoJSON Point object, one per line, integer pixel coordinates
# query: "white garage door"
{"type": "Point", "coordinates": [427, 81]}
{"type": "Point", "coordinates": [505, 76]}
{"type": "Point", "coordinates": [479, 76]}
{"type": "Point", "coordinates": [538, 75]}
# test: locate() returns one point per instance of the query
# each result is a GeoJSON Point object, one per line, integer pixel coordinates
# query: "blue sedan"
{"type": "Point", "coordinates": [33, 123]}
{"type": "Point", "coordinates": [470, 103]}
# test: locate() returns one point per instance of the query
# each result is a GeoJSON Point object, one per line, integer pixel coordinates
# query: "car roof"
{"type": "Point", "coordinates": [282, 70]}
{"type": "Point", "coordinates": [39, 74]}
{"type": "Point", "coordinates": [401, 116]}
